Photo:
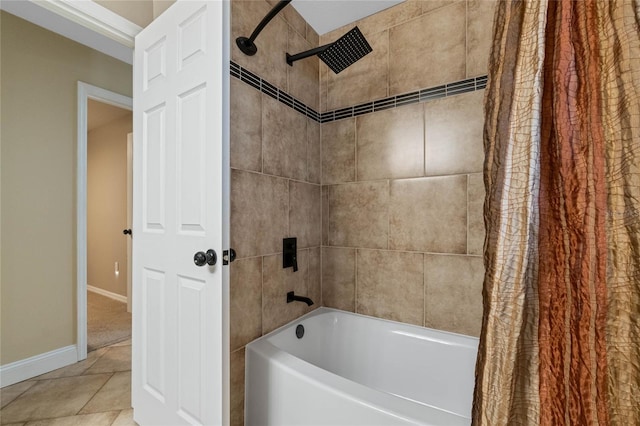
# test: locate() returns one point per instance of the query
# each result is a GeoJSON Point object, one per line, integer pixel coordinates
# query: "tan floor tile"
{"type": "Point", "coordinates": [98, 419]}
{"type": "Point", "coordinates": [125, 418]}
{"type": "Point", "coordinates": [114, 395]}
{"type": "Point", "coordinates": [54, 398]}
{"type": "Point", "coordinates": [117, 358]}
{"type": "Point", "coordinates": [123, 343]}
{"type": "Point", "coordinates": [76, 369]}
{"type": "Point", "coordinates": [14, 424]}
{"type": "Point", "coordinates": [9, 393]}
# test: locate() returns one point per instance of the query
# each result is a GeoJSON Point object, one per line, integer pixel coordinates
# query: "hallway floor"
{"type": "Point", "coordinates": [95, 392]}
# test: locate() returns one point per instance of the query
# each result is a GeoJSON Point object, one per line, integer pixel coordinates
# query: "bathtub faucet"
{"type": "Point", "coordinates": [291, 297]}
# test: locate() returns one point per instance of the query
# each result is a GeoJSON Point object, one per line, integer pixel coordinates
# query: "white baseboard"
{"type": "Point", "coordinates": [109, 294]}
{"type": "Point", "coordinates": [36, 365]}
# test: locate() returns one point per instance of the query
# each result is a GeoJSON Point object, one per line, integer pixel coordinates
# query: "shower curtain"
{"type": "Point", "coordinates": [560, 340]}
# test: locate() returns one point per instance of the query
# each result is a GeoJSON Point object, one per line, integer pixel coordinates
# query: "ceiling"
{"type": "Point", "coordinates": [100, 114]}
{"type": "Point", "coordinates": [327, 15]}
{"type": "Point", "coordinates": [93, 25]}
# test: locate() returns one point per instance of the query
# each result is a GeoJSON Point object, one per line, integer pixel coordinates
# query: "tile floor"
{"type": "Point", "coordinates": [95, 392]}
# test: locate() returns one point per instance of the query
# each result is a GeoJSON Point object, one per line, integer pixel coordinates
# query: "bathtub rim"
{"type": "Point", "coordinates": [324, 309]}
{"type": "Point", "coordinates": [357, 392]}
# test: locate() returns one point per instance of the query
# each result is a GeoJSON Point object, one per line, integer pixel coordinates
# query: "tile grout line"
{"type": "Point", "coordinates": [424, 292]}
{"type": "Point", "coordinates": [96, 393]}
{"type": "Point", "coordinates": [355, 283]}
{"type": "Point", "coordinates": [255, 172]}
{"type": "Point", "coordinates": [261, 296]}
{"type": "Point", "coordinates": [433, 253]}
{"type": "Point", "coordinates": [467, 214]}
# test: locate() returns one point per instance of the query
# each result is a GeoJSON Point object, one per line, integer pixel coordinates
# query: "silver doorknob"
{"type": "Point", "coordinates": [209, 258]}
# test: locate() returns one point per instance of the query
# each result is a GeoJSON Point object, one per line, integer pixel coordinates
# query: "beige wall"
{"type": "Point", "coordinates": [140, 12]}
{"type": "Point", "coordinates": [107, 205]}
{"type": "Point", "coordinates": [275, 185]}
{"type": "Point", "coordinates": [402, 188]}
{"type": "Point", "coordinates": [40, 71]}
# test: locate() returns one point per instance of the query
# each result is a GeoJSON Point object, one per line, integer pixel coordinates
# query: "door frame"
{"type": "Point", "coordinates": [85, 92]}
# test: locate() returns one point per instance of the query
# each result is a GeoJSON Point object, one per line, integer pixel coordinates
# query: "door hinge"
{"type": "Point", "coordinates": [228, 256]}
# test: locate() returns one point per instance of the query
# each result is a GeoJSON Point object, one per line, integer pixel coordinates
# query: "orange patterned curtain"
{"type": "Point", "coordinates": [560, 342]}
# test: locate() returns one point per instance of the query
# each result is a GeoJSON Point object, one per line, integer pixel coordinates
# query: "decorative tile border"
{"type": "Point", "coordinates": [423, 95]}
{"type": "Point", "coordinates": [269, 89]}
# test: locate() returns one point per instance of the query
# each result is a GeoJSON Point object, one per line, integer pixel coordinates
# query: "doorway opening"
{"type": "Point", "coordinates": [108, 224]}
{"type": "Point", "coordinates": [104, 212]}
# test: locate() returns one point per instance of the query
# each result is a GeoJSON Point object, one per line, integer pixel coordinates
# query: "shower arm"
{"type": "Point", "coordinates": [247, 45]}
{"type": "Point", "coordinates": [292, 58]}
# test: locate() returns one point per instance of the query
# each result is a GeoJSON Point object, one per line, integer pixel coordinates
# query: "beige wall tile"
{"type": "Point", "coordinates": [431, 5]}
{"type": "Point", "coordinates": [324, 86]}
{"type": "Point", "coordinates": [339, 151]}
{"type": "Point", "coordinates": [479, 35]}
{"type": "Point", "coordinates": [284, 140]}
{"type": "Point", "coordinates": [390, 285]}
{"type": "Point", "coordinates": [429, 214]}
{"type": "Point", "coordinates": [325, 215]}
{"type": "Point", "coordinates": [314, 284]}
{"type": "Point", "coordinates": [237, 387]}
{"type": "Point", "coordinates": [339, 278]}
{"type": "Point", "coordinates": [390, 17]}
{"type": "Point", "coordinates": [268, 62]}
{"type": "Point", "coordinates": [304, 74]}
{"type": "Point", "coordinates": [428, 51]}
{"type": "Point", "coordinates": [305, 210]}
{"type": "Point", "coordinates": [390, 144]}
{"type": "Point", "coordinates": [277, 282]}
{"type": "Point", "coordinates": [312, 36]}
{"type": "Point", "coordinates": [363, 81]}
{"type": "Point", "coordinates": [291, 15]}
{"type": "Point", "coordinates": [246, 131]}
{"type": "Point", "coordinates": [246, 301]}
{"type": "Point", "coordinates": [314, 154]}
{"type": "Point", "coordinates": [358, 214]}
{"type": "Point", "coordinates": [333, 35]}
{"type": "Point", "coordinates": [453, 134]}
{"type": "Point", "coordinates": [453, 293]}
{"type": "Point", "coordinates": [259, 211]}
{"type": "Point", "coordinates": [475, 199]}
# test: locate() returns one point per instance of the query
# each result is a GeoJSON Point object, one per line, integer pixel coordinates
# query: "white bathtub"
{"type": "Point", "coordinates": [351, 369]}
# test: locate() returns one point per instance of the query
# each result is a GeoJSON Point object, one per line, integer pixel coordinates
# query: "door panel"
{"type": "Point", "coordinates": [177, 318]}
{"type": "Point", "coordinates": [153, 154]}
{"type": "Point", "coordinates": [191, 161]}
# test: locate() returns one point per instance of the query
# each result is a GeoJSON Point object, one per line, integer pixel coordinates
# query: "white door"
{"type": "Point", "coordinates": [177, 305]}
